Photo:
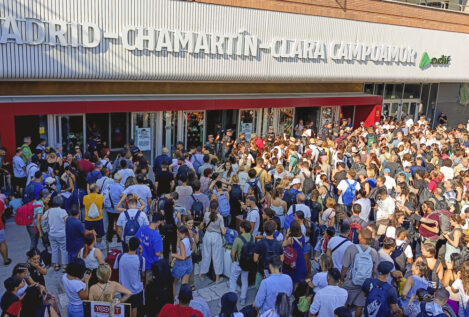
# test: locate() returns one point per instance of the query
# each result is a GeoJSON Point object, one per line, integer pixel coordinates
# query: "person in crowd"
{"type": "Point", "coordinates": [112, 196]}
{"type": "Point", "coordinates": [36, 267]}
{"type": "Point", "coordinates": [182, 268]}
{"type": "Point", "coordinates": [296, 239]}
{"type": "Point", "coordinates": [35, 229]}
{"type": "Point", "coordinates": [271, 286]}
{"type": "Point", "coordinates": [74, 234]}
{"type": "Point", "coordinates": [243, 239]}
{"type": "Point", "coordinates": [93, 203]}
{"type": "Point", "coordinates": [212, 246]}
{"type": "Point", "coordinates": [105, 290]}
{"type": "Point", "coordinates": [33, 304]}
{"type": "Point", "coordinates": [91, 256]}
{"type": "Point", "coordinates": [131, 267]}
{"type": "Point", "coordinates": [183, 308]}
{"type": "Point", "coordinates": [75, 283]}
{"type": "Point", "coordinates": [56, 218]}
{"type": "Point", "coordinates": [151, 243]}
{"type": "Point", "coordinates": [327, 299]}
{"type": "Point", "coordinates": [10, 303]}
{"type": "Point", "coordinates": [130, 218]}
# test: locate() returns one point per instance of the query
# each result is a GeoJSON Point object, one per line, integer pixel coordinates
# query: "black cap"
{"type": "Point", "coordinates": [185, 293]}
{"type": "Point", "coordinates": [385, 267]}
{"type": "Point", "coordinates": [342, 312]}
{"type": "Point", "coordinates": [228, 303]}
{"type": "Point", "coordinates": [38, 174]}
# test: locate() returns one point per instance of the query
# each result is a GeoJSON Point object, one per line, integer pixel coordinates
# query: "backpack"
{"type": "Point", "coordinates": [377, 300]}
{"type": "Point", "coordinates": [289, 218]}
{"type": "Point", "coordinates": [256, 190]}
{"type": "Point", "coordinates": [424, 196]}
{"type": "Point", "coordinates": [349, 194]}
{"type": "Point", "coordinates": [236, 193]}
{"type": "Point", "coordinates": [196, 164]}
{"type": "Point", "coordinates": [423, 312]}
{"type": "Point", "coordinates": [131, 227]}
{"type": "Point", "coordinates": [111, 259]}
{"type": "Point", "coordinates": [29, 193]}
{"type": "Point", "coordinates": [308, 184]}
{"type": "Point", "coordinates": [315, 208]}
{"type": "Point", "coordinates": [354, 229]}
{"type": "Point", "coordinates": [25, 214]}
{"type": "Point", "coordinates": [230, 236]}
{"type": "Point", "coordinates": [362, 266]}
{"type": "Point", "coordinates": [290, 256]}
{"type": "Point", "coordinates": [197, 210]}
{"type": "Point", "coordinates": [161, 203]}
{"type": "Point", "coordinates": [246, 261]}
{"type": "Point", "coordinates": [399, 257]}
{"type": "Point", "coordinates": [290, 198]}
{"type": "Point", "coordinates": [93, 211]}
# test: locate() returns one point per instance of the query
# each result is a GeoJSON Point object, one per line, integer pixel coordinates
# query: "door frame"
{"type": "Point", "coordinates": [184, 126]}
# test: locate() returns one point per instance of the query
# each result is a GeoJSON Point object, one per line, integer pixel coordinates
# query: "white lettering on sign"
{"type": "Point", "coordinates": [242, 44]}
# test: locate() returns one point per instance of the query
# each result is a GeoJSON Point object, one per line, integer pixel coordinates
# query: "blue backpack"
{"type": "Point", "coordinates": [377, 301]}
{"type": "Point", "coordinates": [349, 194]}
{"type": "Point", "coordinates": [423, 312]}
{"type": "Point", "coordinates": [290, 218]}
{"type": "Point", "coordinates": [230, 236]}
{"type": "Point", "coordinates": [29, 193]}
{"type": "Point", "coordinates": [131, 227]}
{"type": "Point", "coordinates": [197, 210]}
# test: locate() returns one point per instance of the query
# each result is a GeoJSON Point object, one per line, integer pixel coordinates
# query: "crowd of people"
{"type": "Point", "coordinates": [367, 220]}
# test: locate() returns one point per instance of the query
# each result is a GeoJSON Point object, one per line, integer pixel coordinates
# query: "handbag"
{"type": "Point", "coordinates": [197, 254]}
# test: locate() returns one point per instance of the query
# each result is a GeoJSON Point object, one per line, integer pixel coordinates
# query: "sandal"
{"type": "Point", "coordinates": [56, 267]}
{"type": "Point", "coordinates": [7, 262]}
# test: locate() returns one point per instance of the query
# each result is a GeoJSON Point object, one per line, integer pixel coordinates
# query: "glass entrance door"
{"type": "Point", "coordinates": [71, 132]}
{"type": "Point", "coordinates": [193, 128]}
{"type": "Point", "coordinates": [247, 122]}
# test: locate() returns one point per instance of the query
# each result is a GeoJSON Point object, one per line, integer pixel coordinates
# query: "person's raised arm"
{"type": "Point", "coordinates": [119, 206]}
{"type": "Point", "coordinates": [407, 287]}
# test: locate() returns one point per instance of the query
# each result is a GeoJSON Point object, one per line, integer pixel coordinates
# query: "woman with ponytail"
{"type": "Point", "coordinates": [92, 257]}
{"type": "Point", "coordinates": [212, 247]}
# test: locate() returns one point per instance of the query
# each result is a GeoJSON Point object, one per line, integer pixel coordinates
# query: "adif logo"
{"type": "Point", "coordinates": [426, 61]}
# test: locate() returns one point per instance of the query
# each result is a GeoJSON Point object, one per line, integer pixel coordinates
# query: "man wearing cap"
{"type": "Point", "coordinates": [151, 243]}
{"type": "Point", "coordinates": [291, 194]}
{"type": "Point", "coordinates": [330, 297]}
{"type": "Point", "coordinates": [161, 160]}
{"type": "Point", "coordinates": [19, 172]}
{"type": "Point", "coordinates": [373, 288]}
{"type": "Point", "coordinates": [182, 309]}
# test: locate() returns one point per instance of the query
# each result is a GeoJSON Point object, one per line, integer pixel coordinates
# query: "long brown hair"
{"type": "Point", "coordinates": [89, 240]}
{"type": "Point", "coordinates": [465, 276]}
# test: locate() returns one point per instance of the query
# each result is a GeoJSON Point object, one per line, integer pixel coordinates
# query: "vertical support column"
{"type": "Point", "coordinates": [158, 132]}
{"type": "Point", "coordinates": [8, 133]}
{"type": "Point", "coordinates": [180, 129]}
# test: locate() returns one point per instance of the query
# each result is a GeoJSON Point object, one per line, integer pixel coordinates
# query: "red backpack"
{"type": "Point", "coordinates": [354, 229]}
{"type": "Point", "coordinates": [25, 214]}
{"type": "Point", "coordinates": [111, 259]}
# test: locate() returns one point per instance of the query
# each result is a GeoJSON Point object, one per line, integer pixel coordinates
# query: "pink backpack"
{"type": "Point", "coordinates": [25, 214]}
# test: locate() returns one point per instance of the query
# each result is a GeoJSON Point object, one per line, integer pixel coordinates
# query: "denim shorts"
{"type": "Point", "coordinates": [97, 226]}
{"type": "Point", "coordinates": [307, 248]}
{"type": "Point", "coordinates": [182, 268]}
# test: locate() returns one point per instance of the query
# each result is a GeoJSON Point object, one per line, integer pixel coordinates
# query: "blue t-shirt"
{"type": "Point", "coordinates": [93, 176]}
{"type": "Point", "coordinates": [15, 204]}
{"type": "Point", "coordinates": [74, 232]}
{"type": "Point", "coordinates": [129, 272]}
{"type": "Point", "coordinates": [151, 243]}
{"type": "Point", "coordinates": [114, 192]}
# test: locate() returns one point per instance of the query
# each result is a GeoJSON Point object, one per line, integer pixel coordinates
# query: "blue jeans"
{"type": "Point", "coordinates": [75, 310]}
{"type": "Point", "coordinates": [33, 235]}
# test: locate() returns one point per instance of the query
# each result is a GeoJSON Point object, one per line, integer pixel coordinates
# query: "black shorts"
{"type": "Point", "coordinates": [137, 300]}
{"type": "Point", "coordinates": [19, 181]}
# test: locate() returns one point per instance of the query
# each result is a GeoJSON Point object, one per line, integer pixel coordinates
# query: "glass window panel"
{"type": "Point", "coordinates": [394, 109]}
{"type": "Point", "coordinates": [379, 89]}
{"type": "Point", "coordinates": [248, 122]}
{"type": "Point", "coordinates": [285, 123]}
{"type": "Point", "coordinates": [405, 109]}
{"type": "Point", "coordinates": [412, 91]}
{"type": "Point", "coordinates": [170, 123]}
{"type": "Point", "coordinates": [424, 99]}
{"type": "Point", "coordinates": [368, 89]}
{"type": "Point", "coordinates": [194, 132]}
{"type": "Point", "coordinates": [393, 91]}
{"type": "Point", "coordinates": [432, 101]}
{"type": "Point", "coordinates": [118, 130]}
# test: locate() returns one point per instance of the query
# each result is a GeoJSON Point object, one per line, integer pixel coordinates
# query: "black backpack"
{"type": "Point", "coordinates": [308, 184]}
{"type": "Point", "coordinates": [197, 210]}
{"type": "Point", "coordinates": [246, 261]}
{"type": "Point", "coordinates": [255, 188]}
{"type": "Point", "coordinates": [236, 193]}
{"type": "Point", "coordinates": [399, 257]}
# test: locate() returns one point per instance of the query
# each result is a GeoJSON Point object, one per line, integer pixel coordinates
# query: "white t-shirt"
{"type": "Point", "coordinates": [386, 208]}
{"type": "Point", "coordinates": [327, 300]}
{"type": "Point", "coordinates": [143, 192]}
{"type": "Point", "coordinates": [366, 208]}
{"type": "Point", "coordinates": [448, 172]}
{"type": "Point", "coordinates": [305, 209]}
{"type": "Point", "coordinates": [463, 297]}
{"type": "Point", "coordinates": [390, 183]}
{"type": "Point", "coordinates": [122, 220]}
{"type": "Point", "coordinates": [338, 254]}
{"type": "Point", "coordinates": [407, 251]}
{"type": "Point", "coordinates": [343, 186]}
{"type": "Point", "coordinates": [55, 217]}
{"type": "Point", "coordinates": [253, 216]}
{"type": "Point", "coordinates": [72, 288]}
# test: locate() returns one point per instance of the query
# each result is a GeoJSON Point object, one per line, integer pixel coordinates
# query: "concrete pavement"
{"type": "Point", "coordinates": [18, 244]}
